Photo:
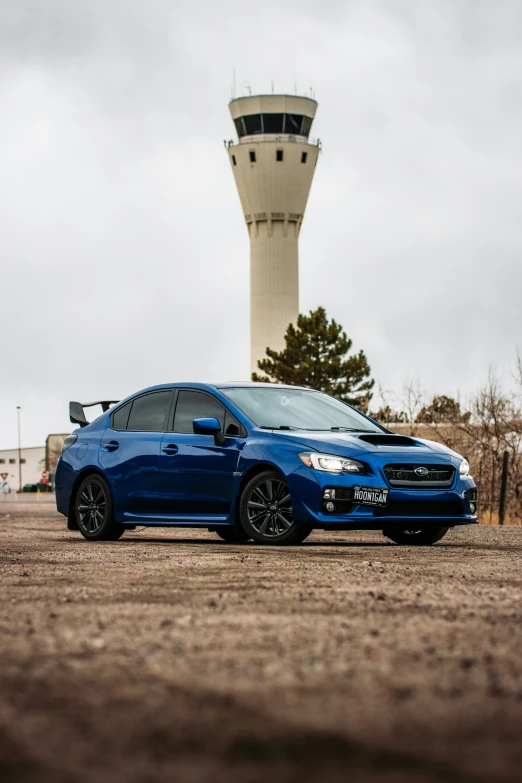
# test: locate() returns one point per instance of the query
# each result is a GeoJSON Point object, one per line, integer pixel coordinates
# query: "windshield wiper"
{"type": "Point", "coordinates": [349, 429]}
{"type": "Point", "coordinates": [281, 427]}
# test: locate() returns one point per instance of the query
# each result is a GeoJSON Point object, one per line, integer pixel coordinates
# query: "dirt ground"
{"type": "Point", "coordinates": [173, 656]}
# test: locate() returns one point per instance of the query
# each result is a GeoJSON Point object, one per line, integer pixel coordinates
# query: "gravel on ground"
{"type": "Point", "coordinates": [171, 655]}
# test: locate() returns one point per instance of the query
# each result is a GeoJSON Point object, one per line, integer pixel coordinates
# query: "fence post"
{"type": "Point", "coordinates": [479, 486]}
{"type": "Point", "coordinates": [492, 496]}
{"type": "Point", "coordinates": [503, 489]}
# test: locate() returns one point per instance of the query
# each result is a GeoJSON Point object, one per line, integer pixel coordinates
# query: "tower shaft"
{"type": "Point", "coordinates": [274, 286]}
{"type": "Point", "coordinates": [273, 164]}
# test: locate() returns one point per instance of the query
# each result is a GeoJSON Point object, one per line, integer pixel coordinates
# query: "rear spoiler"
{"type": "Point", "coordinates": [77, 414]}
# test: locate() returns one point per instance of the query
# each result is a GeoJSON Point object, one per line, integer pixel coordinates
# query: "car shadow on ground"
{"type": "Point", "coordinates": [305, 546]}
{"type": "Point", "coordinates": [380, 542]}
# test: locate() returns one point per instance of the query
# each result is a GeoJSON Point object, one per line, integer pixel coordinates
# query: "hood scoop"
{"type": "Point", "coordinates": [389, 440]}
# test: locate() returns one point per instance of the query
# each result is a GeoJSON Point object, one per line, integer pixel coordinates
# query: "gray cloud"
{"type": "Point", "coordinates": [124, 257]}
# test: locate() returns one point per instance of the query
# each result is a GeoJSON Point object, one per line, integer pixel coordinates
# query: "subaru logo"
{"type": "Point", "coordinates": [421, 471]}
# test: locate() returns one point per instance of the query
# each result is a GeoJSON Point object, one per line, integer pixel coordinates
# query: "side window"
{"type": "Point", "coordinates": [148, 412]}
{"type": "Point", "coordinates": [196, 405]}
{"type": "Point", "coordinates": [232, 427]}
{"type": "Point", "coordinates": [121, 417]}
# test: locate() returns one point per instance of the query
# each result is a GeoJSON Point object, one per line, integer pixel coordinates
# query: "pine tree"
{"type": "Point", "coordinates": [316, 356]}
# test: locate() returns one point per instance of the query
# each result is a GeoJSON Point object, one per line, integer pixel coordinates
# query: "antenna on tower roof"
{"type": "Point", "coordinates": [246, 86]}
{"type": "Point", "coordinates": [272, 86]}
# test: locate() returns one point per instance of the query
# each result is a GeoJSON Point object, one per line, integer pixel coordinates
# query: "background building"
{"type": "Point", "coordinates": [33, 466]}
{"type": "Point", "coordinates": [38, 464]}
{"type": "Point", "coordinates": [273, 164]}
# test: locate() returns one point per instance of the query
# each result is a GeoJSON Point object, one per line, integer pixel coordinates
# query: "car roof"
{"type": "Point", "coordinates": [221, 385]}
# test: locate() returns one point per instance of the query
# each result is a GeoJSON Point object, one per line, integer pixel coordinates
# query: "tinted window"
{"type": "Point", "coordinates": [273, 123]}
{"type": "Point", "coordinates": [293, 123]}
{"type": "Point", "coordinates": [239, 126]}
{"type": "Point", "coordinates": [306, 125]}
{"type": "Point", "coordinates": [252, 124]}
{"type": "Point", "coordinates": [196, 405]}
{"type": "Point", "coordinates": [121, 416]}
{"type": "Point", "coordinates": [232, 427]}
{"type": "Point", "coordinates": [148, 412]}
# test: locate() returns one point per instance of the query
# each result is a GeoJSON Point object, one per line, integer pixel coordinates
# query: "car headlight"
{"type": "Point", "coordinates": [328, 463]}
{"type": "Point", "coordinates": [464, 468]}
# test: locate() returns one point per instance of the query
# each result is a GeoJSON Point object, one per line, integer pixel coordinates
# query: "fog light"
{"type": "Point", "coordinates": [329, 494]}
{"type": "Point", "coordinates": [472, 507]}
{"type": "Point", "coordinates": [330, 506]}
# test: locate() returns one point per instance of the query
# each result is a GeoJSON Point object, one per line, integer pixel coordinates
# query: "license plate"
{"type": "Point", "coordinates": [370, 496]}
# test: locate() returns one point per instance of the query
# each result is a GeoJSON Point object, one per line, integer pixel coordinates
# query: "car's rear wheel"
{"type": "Point", "coordinates": [232, 534]}
{"type": "Point", "coordinates": [416, 536]}
{"type": "Point", "coordinates": [266, 511]}
{"type": "Point", "coordinates": [94, 510]}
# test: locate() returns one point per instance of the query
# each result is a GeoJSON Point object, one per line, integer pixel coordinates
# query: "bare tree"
{"type": "Point", "coordinates": [412, 399]}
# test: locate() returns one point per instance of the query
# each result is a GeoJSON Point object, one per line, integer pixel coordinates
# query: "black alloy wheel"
{"type": "Point", "coordinates": [94, 512]}
{"type": "Point", "coordinates": [416, 536]}
{"type": "Point", "coordinates": [266, 511]}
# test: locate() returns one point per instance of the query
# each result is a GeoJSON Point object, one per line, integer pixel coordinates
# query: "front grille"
{"type": "Point", "coordinates": [405, 476]}
{"type": "Point", "coordinates": [420, 508]}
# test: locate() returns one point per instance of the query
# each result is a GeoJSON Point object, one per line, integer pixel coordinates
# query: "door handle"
{"type": "Point", "coordinates": [111, 446]}
{"type": "Point", "coordinates": [171, 449]}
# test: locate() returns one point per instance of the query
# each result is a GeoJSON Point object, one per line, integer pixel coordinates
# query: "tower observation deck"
{"type": "Point", "coordinates": [273, 163]}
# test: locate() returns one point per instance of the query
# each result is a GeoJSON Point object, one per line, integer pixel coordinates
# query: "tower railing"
{"type": "Point", "coordinates": [272, 137]}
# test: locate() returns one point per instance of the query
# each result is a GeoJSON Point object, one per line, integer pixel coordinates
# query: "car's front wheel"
{"type": "Point", "coordinates": [94, 511]}
{"type": "Point", "coordinates": [416, 536]}
{"type": "Point", "coordinates": [266, 511]}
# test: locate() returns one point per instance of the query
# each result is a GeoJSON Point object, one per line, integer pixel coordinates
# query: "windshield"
{"type": "Point", "coordinates": [301, 409]}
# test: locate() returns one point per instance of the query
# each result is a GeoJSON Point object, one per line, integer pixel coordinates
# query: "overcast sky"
{"type": "Point", "coordinates": [124, 255]}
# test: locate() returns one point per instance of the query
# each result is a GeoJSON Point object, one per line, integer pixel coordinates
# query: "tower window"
{"type": "Point", "coordinates": [279, 155]}
{"type": "Point", "coordinates": [234, 159]}
{"type": "Point", "coordinates": [253, 124]}
{"type": "Point", "coordinates": [252, 155]}
{"type": "Point", "coordinates": [304, 156]}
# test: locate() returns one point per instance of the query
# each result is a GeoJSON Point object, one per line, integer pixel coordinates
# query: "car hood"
{"type": "Point", "coordinates": [347, 444]}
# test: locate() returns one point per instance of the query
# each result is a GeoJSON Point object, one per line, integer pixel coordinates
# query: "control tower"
{"type": "Point", "coordinates": [273, 164]}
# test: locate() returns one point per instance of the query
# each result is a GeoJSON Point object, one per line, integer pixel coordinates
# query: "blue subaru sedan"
{"type": "Point", "coordinates": [255, 461]}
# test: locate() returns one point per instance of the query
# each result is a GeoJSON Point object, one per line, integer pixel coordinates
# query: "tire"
{"type": "Point", "coordinates": [266, 511]}
{"type": "Point", "coordinates": [416, 536]}
{"type": "Point", "coordinates": [93, 510]}
{"type": "Point", "coordinates": [233, 535]}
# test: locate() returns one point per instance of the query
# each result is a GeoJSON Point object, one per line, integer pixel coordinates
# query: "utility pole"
{"type": "Point", "coordinates": [18, 409]}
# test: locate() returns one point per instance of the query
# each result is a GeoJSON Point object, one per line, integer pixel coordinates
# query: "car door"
{"type": "Point", "coordinates": [197, 476]}
{"type": "Point", "coordinates": [130, 454]}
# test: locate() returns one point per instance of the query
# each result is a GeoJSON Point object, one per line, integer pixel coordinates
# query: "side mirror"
{"type": "Point", "coordinates": [209, 427]}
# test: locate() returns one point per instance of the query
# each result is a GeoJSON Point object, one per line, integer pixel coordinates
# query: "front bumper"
{"type": "Point", "coordinates": [443, 507]}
